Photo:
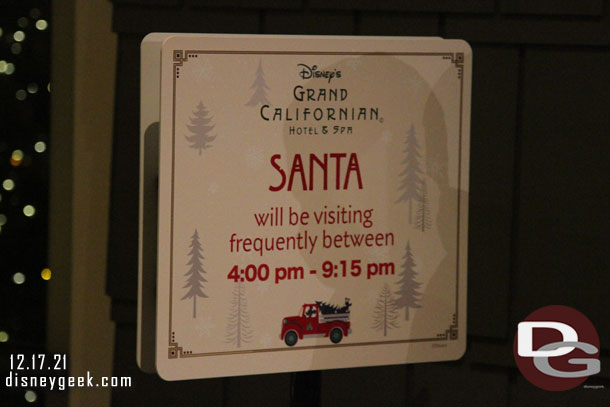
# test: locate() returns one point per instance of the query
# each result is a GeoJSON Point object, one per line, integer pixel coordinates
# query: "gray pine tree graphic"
{"type": "Point", "coordinates": [238, 322]}
{"type": "Point", "coordinates": [422, 216]}
{"type": "Point", "coordinates": [259, 97]}
{"type": "Point", "coordinates": [200, 128]}
{"type": "Point", "coordinates": [194, 275]}
{"type": "Point", "coordinates": [411, 174]}
{"type": "Point", "coordinates": [385, 313]}
{"type": "Point", "coordinates": [408, 295]}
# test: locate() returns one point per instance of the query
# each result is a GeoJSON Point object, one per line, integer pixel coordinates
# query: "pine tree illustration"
{"type": "Point", "coordinates": [385, 312]}
{"type": "Point", "coordinates": [411, 173]}
{"type": "Point", "coordinates": [422, 221]}
{"type": "Point", "coordinates": [194, 276]}
{"type": "Point", "coordinates": [408, 295]}
{"type": "Point", "coordinates": [238, 323]}
{"type": "Point", "coordinates": [260, 95]}
{"type": "Point", "coordinates": [200, 128]}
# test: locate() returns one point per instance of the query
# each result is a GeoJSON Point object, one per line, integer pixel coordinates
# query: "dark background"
{"type": "Point", "coordinates": [539, 190]}
{"type": "Point", "coordinates": [24, 124]}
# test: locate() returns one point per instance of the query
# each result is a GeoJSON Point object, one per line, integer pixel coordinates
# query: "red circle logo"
{"type": "Point", "coordinates": [556, 348]}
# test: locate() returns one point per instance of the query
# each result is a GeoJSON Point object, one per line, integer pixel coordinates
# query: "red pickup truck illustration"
{"type": "Point", "coordinates": [317, 320]}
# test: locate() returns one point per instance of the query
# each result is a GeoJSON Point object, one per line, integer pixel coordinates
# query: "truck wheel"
{"type": "Point", "coordinates": [336, 334]}
{"type": "Point", "coordinates": [291, 338]}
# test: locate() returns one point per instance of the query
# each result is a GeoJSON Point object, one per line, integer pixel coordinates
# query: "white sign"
{"type": "Point", "coordinates": [312, 202]}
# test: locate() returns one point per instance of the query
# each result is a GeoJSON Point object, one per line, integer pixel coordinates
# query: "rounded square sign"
{"type": "Point", "coordinates": [313, 196]}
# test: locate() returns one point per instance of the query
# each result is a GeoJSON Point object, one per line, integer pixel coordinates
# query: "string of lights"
{"type": "Point", "coordinates": [24, 180]}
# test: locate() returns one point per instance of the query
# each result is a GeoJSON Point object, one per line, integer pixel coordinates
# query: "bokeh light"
{"type": "Point", "coordinates": [8, 184]}
{"type": "Point", "coordinates": [29, 211]}
{"type": "Point", "coordinates": [10, 68]}
{"type": "Point", "coordinates": [18, 278]}
{"type": "Point", "coordinates": [21, 95]}
{"type": "Point", "coordinates": [30, 396]}
{"type": "Point", "coordinates": [22, 22]}
{"type": "Point", "coordinates": [40, 147]}
{"type": "Point", "coordinates": [4, 337]}
{"type": "Point", "coordinates": [16, 158]}
{"type": "Point", "coordinates": [46, 274]}
{"type": "Point", "coordinates": [32, 88]}
{"type": "Point", "coordinates": [19, 36]}
{"type": "Point", "coordinates": [42, 25]}
{"type": "Point", "coordinates": [2, 219]}
{"type": "Point", "coordinates": [16, 48]}
{"type": "Point", "coordinates": [17, 155]}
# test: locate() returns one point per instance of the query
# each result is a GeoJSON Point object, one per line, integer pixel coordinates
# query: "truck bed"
{"type": "Point", "coordinates": [334, 317]}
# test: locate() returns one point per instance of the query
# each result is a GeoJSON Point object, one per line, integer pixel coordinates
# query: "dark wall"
{"type": "Point", "coordinates": [540, 189]}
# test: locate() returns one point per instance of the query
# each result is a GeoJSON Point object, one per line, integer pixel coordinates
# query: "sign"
{"type": "Point", "coordinates": [312, 202]}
